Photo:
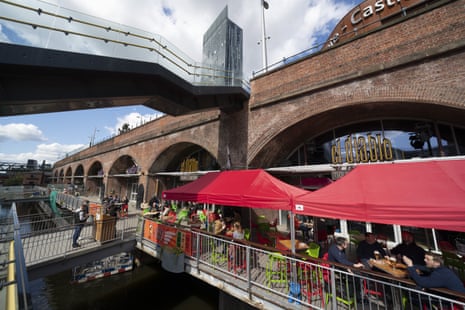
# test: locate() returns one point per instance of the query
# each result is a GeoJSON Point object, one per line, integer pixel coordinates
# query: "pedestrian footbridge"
{"type": "Point", "coordinates": [72, 61]}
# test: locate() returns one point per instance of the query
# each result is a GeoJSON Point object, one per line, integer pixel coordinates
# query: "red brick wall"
{"type": "Point", "coordinates": [411, 69]}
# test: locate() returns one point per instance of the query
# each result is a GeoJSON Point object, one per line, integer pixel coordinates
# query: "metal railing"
{"type": "Point", "coordinates": [14, 285]}
{"type": "Point", "coordinates": [278, 278]}
{"type": "Point", "coordinates": [22, 192]}
{"type": "Point", "coordinates": [47, 239]}
{"type": "Point", "coordinates": [286, 280]}
{"type": "Point", "coordinates": [54, 27]}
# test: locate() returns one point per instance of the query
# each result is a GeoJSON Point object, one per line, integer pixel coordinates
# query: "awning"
{"type": "Point", "coordinates": [243, 188]}
{"type": "Point", "coordinates": [428, 194]}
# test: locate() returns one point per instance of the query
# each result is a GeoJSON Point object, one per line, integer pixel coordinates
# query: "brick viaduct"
{"type": "Point", "coordinates": [412, 67]}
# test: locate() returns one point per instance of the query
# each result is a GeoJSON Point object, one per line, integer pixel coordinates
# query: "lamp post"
{"type": "Point", "coordinates": [264, 6]}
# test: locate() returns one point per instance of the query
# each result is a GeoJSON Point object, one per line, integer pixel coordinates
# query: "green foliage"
{"type": "Point", "coordinates": [14, 181]}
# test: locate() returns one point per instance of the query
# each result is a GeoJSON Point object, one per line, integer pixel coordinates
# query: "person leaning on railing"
{"type": "Point", "coordinates": [81, 219]}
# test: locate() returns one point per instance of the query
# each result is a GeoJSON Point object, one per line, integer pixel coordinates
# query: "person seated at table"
{"type": "Point", "coordinates": [237, 216]}
{"type": "Point", "coordinates": [301, 223]}
{"type": "Point", "coordinates": [336, 253]}
{"type": "Point", "coordinates": [433, 274]}
{"type": "Point", "coordinates": [366, 249]}
{"type": "Point", "coordinates": [237, 231]}
{"type": "Point", "coordinates": [182, 215]}
{"type": "Point", "coordinates": [219, 226]}
{"type": "Point", "coordinates": [169, 215]}
{"type": "Point", "coordinates": [145, 206]}
{"type": "Point", "coordinates": [409, 248]}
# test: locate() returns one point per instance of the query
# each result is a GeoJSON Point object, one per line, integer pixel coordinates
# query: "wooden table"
{"type": "Point", "coordinates": [383, 264]}
{"type": "Point", "coordinates": [287, 245]}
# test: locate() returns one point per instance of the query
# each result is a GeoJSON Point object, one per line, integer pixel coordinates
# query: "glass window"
{"type": "Point", "coordinates": [384, 231]}
{"type": "Point", "coordinates": [384, 140]}
{"type": "Point", "coordinates": [447, 240]}
{"type": "Point", "coordinates": [422, 236]}
{"type": "Point", "coordinates": [353, 227]}
{"type": "Point", "coordinates": [411, 138]}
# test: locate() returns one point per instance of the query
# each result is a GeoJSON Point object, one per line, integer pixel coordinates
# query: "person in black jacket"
{"type": "Point", "coordinates": [366, 249]}
{"type": "Point", "coordinates": [409, 248]}
{"type": "Point", "coordinates": [434, 274]}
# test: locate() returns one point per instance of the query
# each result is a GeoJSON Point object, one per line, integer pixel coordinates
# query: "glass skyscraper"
{"type": "Point", "coordinates": [222, 50]}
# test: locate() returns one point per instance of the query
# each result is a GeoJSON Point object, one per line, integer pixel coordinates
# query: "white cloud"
{"type": "Point", "coordinates": [20, 132]}
{"type": "Point", "coordinates": [293, 26]}
{"type": "Point", "coordinates": [48, 152]}
{"type": "Point", "coordinates": [134, 120]}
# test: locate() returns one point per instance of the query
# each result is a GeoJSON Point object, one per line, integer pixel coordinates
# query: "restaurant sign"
{"type": "Point", "coordinates": [368, 15]}
{"type": "Point", "coordinates": [189, 165]}
{"type": "Point", "coordinates": [360, 149]}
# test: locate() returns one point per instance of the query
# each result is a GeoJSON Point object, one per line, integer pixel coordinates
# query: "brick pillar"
{"type": "Point", "coordinates": [233, 138]}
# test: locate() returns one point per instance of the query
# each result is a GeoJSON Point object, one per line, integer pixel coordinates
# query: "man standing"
{"type": "Point", "coordinates": [81, 217]}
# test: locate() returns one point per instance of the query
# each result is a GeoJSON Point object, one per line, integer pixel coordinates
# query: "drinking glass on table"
{"type": "Point", "coordinates": [393, 261]}
{"type": "Point", "coordinates": [377, 255]}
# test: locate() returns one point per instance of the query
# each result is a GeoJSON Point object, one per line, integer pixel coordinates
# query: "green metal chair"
{"type": "Point", "coordinates": [219, 253]}
{"type": "Point", "coordinates": [343, 294]}
{"type": "Point", "coordinates": [313, 250]}
{"type": "Point", "coordinates": [276, 270]}
{"type": "Point", "coordinates": [246, 233]}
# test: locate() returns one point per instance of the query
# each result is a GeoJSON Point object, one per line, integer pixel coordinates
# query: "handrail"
{"type": "Point", "coordinates": [101, 30]}
{"type": "Point", "coordinates": [207, 251]}
{"type": "Point", "coordinates": [12, 291]}
{"type": "Point", "coordinates": [15, 281]}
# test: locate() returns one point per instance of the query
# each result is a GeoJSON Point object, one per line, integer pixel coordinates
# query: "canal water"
{"type": "Point", "coordinates": [149, 284]}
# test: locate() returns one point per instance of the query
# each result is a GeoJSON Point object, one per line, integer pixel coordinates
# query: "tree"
{"type": "Point", "coordinates": [124, 128]}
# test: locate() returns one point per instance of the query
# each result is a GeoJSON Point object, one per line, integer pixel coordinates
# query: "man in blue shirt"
{"type": "Point", "coordinates": [336, 253]}
{"type": "Point", "coordinates": [434, 274]}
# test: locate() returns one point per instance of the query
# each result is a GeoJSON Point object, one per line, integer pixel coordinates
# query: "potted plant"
{"type": "Point", "coordinates": [172, 259]}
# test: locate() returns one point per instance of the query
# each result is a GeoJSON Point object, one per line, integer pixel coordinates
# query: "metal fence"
{"type": "Point", "coordinates": [279, 278]}
{"type": "Point", "coordinates": [14, 286]}
{"type": "Point", "coordinates": [49, 238]}
{"type": "Point", "coordinates": [296, 281]}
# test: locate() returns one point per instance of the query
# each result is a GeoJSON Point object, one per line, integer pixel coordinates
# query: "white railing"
{"type": "Point", "coordinates": [266, 273]}
{"type": "Point", "coordinates": [14, 287]}
{"type": "Point", "coordinates": [47, 239]}
{"type": "Point", "coordinates": [296, 280]}
{"type": "Point", "coordinates": [54, 27]}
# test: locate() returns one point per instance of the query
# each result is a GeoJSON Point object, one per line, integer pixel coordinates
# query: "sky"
{"type": "Point", "coordinates": [292, 27]}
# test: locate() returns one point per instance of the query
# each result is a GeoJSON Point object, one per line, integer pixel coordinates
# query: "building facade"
{"type": "Point", "coordinates": [393, 91]}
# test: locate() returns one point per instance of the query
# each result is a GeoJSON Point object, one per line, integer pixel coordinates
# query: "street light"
{"type": "Point", "coordinates": [264, 6]}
